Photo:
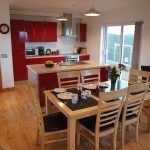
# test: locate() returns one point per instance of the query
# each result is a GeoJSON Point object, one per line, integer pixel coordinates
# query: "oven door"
{"type": "Point", "coordinates": [72, 58]}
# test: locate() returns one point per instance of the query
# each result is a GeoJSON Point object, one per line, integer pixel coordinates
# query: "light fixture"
{"type": "Point", "coordinates": [61, 18]}
{"type": "Point", "coordinates": [92, 11]}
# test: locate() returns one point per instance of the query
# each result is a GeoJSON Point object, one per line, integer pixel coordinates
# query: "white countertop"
{"type": "Point", "coordinates": [41, 69]}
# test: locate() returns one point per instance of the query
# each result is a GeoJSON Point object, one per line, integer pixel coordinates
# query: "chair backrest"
{"type": "Point", "coordinates": [138, 76]}
{"type": "Point", "coordinates": [68, 79]}
{"type": "Point", "coordinates": [109, 112]}
{"type": "Point", "coordinates": [38, 109]}
{"type": "Point", "coordinates": [134, 100]}
{"type": "Point", "coordinates": [91, 75]}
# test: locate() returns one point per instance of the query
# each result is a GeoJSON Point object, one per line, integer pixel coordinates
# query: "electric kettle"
{"type": "Point", "coordinates": [48, 51]}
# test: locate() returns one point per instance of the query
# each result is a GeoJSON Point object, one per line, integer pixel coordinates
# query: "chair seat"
{"type": "Point", "coordinates": [55, 122]}
{"type": "Point", "coordinates": [90, 122]}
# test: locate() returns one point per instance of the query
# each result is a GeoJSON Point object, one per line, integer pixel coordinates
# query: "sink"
{"type": "Point", "coordinates": [73, 63]}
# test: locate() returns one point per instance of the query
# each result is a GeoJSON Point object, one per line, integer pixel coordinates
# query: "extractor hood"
{"type": "Point", "coordinates": [67, 28]}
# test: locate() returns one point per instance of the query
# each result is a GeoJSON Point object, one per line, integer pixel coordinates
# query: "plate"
{"type": "Point", "coordinates": [90, 86]}
{"type": "Point", "coordinates": [103, 84]}
{"type": "Point", "coordinates": [66, 95]}
{"type": "Point", "coordinates": [60, 90]}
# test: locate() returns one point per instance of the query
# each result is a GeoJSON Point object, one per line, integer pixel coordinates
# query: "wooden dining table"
{"type": "Point", "coordinates": [82, 109]}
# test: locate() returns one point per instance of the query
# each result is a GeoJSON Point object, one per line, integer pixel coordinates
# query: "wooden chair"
{"type": "Point", "coordinates": [49, 125]}
{"type": "Point", "coordinates": [106, 120]}
{"type": "Point", "coordinates": [91, 75]}
{"type": "Point", "coordinates": [133, 106]}
{"type": "Point", "coordinates": [68, 79]}
{"type": "Point", "coordinates": [138, 76]}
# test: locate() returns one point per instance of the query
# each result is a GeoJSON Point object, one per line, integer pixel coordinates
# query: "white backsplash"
{"type": "Point", "coordinates": [64, 44]}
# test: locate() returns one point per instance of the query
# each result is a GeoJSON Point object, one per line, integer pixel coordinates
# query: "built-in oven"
{"type": "Point", "coordinates": [70, 58]}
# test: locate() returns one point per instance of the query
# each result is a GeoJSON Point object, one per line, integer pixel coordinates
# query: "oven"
{"type": "Point", "coordinates": [70, 58]}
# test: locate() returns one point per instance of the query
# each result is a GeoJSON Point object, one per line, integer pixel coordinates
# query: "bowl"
{"type": "Point", "coordinates": [49, 65]}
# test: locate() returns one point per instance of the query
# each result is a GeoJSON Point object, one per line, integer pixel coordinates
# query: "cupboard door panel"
{"type": "Point", "coordinates": [29, 31]}
{"type": "Point", "coordinates": [84, 57]}
{"type": "Point", "coordinates": [83, 32]}
{"type": "Point", "coordinates": [51, 32]}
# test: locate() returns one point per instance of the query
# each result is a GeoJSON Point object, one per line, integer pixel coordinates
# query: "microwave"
{"type": "Point", "coordinates": [30, 52]}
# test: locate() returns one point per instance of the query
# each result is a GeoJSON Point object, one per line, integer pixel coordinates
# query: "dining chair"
{"type": "Point", "coordinates": [90, 75]}
{"type": "Point", "coordinates": [138, 76]}
{"type": "Point", "coordinates": [133, 106]}
{"type": "Point", "coordinates": [68, 79]}
{"type": "Point", "coordinates": [49, 125]}
{"type": "Point", "coordinates": [105, 122]}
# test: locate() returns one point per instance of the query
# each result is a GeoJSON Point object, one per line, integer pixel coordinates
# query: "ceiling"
{"type": "Point", "coordinates": [71, 6]}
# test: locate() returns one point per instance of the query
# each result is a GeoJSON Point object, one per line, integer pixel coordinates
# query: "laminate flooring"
{"type": "Point", "coordinates": [18, 126]}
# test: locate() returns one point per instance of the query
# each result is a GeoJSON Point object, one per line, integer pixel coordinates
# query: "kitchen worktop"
{"type": "Point", "coordinates": [49, 56]}
{"type": "Point", "coordinates": [41, 69]}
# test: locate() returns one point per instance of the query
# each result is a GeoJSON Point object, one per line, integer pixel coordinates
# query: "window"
{"type": "Point", "coordinates": [117, 44]}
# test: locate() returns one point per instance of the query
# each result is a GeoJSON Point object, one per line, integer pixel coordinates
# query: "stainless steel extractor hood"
{"type": "Point", "coordinates": [67, 29]}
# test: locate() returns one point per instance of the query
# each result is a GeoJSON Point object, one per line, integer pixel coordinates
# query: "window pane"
{"type": "Point", "coordinates": [127, 47]}
{"type": "Point", "coordinates": [113, 45]}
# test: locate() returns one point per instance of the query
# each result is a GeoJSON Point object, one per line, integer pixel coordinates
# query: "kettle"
{"type": "Point", "coordinates": [48, 51]}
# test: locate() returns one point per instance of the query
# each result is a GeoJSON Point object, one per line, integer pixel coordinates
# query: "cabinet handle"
{"type": "Point", "coordinates": [35, 77]}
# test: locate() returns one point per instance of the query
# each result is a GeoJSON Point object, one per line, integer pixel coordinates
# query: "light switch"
{"type": "Point", "coordinates": [4, 55]}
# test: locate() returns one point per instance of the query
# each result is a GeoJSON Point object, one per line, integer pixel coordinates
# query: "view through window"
{"type": "Point", "coordinates": [117, 44]}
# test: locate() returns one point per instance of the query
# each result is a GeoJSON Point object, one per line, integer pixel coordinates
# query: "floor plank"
{"type": "Point", "coordinates": [18, 126]}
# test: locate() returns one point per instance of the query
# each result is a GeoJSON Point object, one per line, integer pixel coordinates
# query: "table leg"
{"type": "Point", "coordinates": [48, 105]}
{"type": "Point", "coordinates": [71, 134]}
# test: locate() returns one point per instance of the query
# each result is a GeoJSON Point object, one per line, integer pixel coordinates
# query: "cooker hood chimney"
{"type": "Point", "coordinates": [67, 29]}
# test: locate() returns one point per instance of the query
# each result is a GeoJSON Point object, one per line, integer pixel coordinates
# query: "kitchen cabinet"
{"type": "Point", "coordinates": [50, 32]}
{"type": "Point", "coordinates": [104, 74]}
{"type": "Point", "coordinates": [84, 57]}
{"type": "Point", "coordinates": [18, 49]}
{"type": "Point", "coordinates": [81, 32]}
{"type": "Point", "coordinates": [38, 31]}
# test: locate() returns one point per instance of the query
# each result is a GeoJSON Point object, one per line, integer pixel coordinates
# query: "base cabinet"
{"type": "Point", "coordinates": [84, 57]}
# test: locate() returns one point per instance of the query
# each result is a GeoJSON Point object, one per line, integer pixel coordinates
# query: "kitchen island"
{"type": "Point", "coordinates": [46, 78]}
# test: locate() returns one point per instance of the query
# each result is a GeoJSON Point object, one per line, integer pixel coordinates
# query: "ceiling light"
{"type": "Point", "coordinates": [61, 18]}
{"type": "Point", "coordinates": [92, 11]}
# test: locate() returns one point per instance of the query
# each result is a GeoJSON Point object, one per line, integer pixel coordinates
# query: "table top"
{"type": "Point", "coordinates": [83, 108]}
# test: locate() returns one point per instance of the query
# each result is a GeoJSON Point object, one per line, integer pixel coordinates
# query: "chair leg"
{"type": "Point", "coordinates": [123, 136]}
{"type": "Point", "coordinates": [78, 137]}
{"type": "Point", "coordinates": [96, 143]}
{"type": "Point", "coordinates": [114, 140]}
{"type": "Point", "coordinates": [137, 131]}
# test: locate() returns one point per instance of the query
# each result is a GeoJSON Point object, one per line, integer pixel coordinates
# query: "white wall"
{"type": "Point", "coordinates": [5, 48]}
{"type": "Point", "coordinates": [137, 13]}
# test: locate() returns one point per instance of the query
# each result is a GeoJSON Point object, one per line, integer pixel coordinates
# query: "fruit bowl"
{"type": "Point", "coordinates": [49, 65]}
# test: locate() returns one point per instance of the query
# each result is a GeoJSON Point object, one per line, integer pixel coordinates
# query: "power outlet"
{"type": "Point", "coordinates": [4, 55]}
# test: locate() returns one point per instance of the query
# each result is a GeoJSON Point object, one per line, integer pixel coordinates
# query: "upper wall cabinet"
{"type": "Point", "coordinates": [37, 31]}
{"type": "Point", "coordinates": [81, 32]}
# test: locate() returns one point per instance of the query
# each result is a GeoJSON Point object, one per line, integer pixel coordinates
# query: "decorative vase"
{"type": "Point", "coordinates": [113, 84]}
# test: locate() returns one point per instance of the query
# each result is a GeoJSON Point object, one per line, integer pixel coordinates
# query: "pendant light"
{"type": "Point", "coordinates": [92, 11]}
{"type": "Point", "coordinates": [61, 18]}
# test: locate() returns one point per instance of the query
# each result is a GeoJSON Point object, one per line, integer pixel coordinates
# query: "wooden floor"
{"type": "Point", "coordinates": [18, 126]}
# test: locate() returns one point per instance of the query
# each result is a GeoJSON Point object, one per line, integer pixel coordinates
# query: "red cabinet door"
{"type": "Point", "coordinates": [39, 28]}
{"type": "Point", "coordinates": [29, 31]}
{"type": "Point", "coordinates": [104, 74]}
{"type": "Point", "coordinates": [83, 32]}
{"type": "Point", "coordinates": [84, 57]}
{"type": "Point", "coordinates": [17, 31]}
{"type": "Point", "coordinates": [51, 32]}
{"type": "Point", "coordinates": [18, 50]}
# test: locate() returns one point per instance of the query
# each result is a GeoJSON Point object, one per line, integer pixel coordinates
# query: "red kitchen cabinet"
{"type": "Point", "coordinates": [29, 31]}
{"type": "Point", "coordinates": [18, 50]}
{"type": "Point", "coordinates": [50, 32]}
{"type": "Point", "coordinates": [81, 32]}
{"type": "Point", "coordinates": [104, 74]}
{"type": "Point", "coordinates": [39, 28]}
{"type": "Point", "coordinates": [84, 57]}
{"type": "Point", "coordinates": [17, 31]}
